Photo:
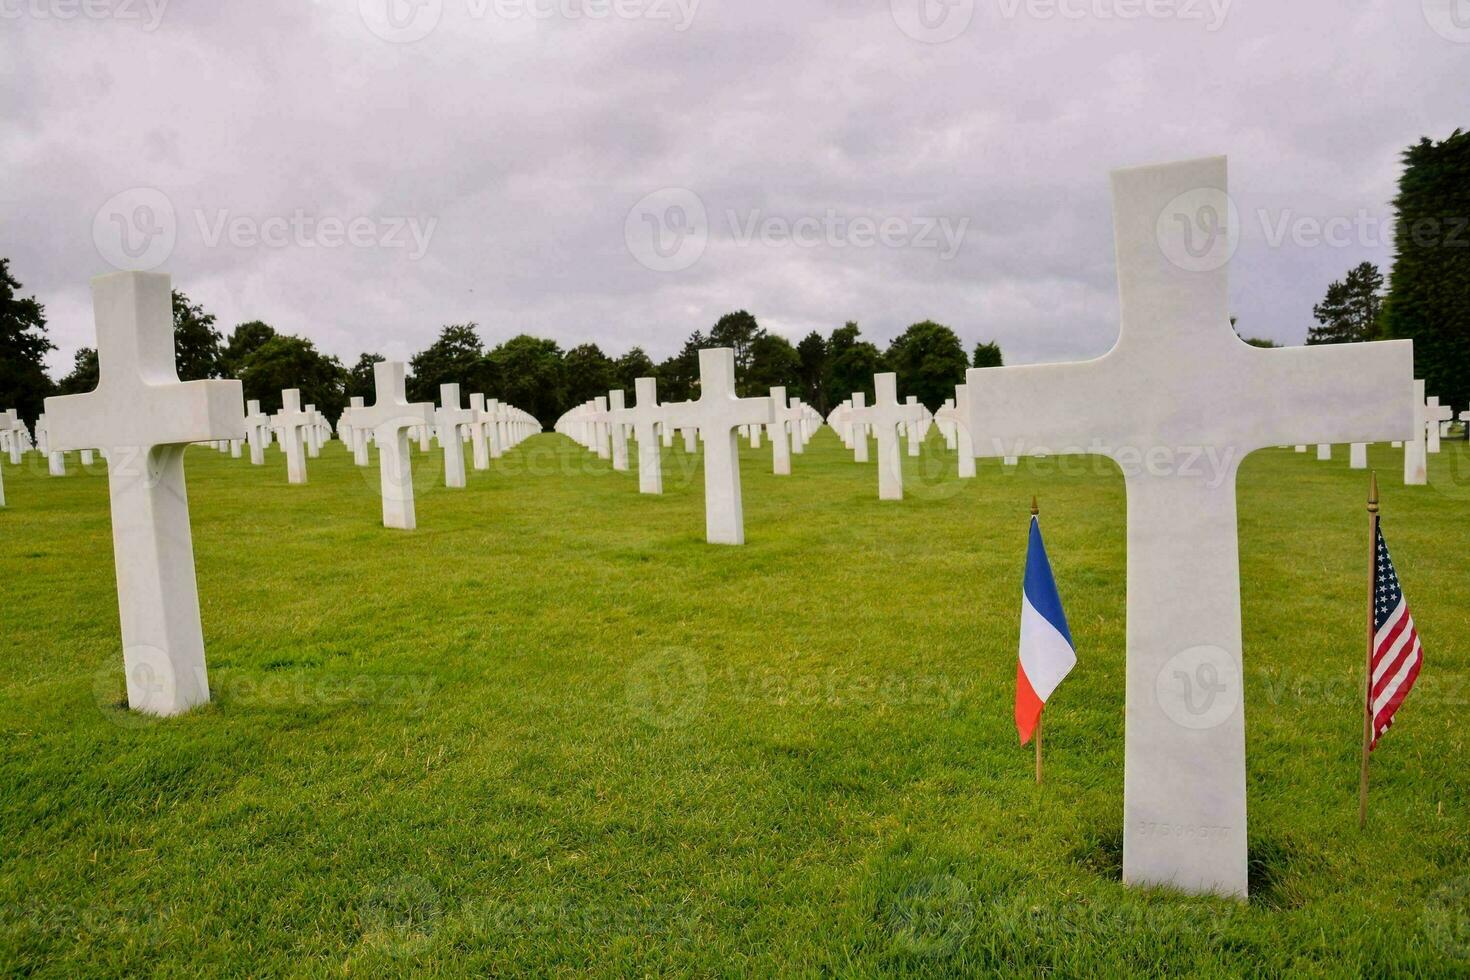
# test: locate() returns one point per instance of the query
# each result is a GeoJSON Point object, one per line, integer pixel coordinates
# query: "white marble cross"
{"type": "Point", "coordinates": [479, 441]}
{"type": "Point", "coordinates": [1416, 465]}
{"type": "Point", "coordinates": [10, 426]}
{"type": "Point", "coordinates": [857, 428]}
{"type": "Point", "coordinates": [784, 415]}
{"type": "Point", "coordinates": [391, 417]}
{"type": "Point", "coordinates": [917, 426]}
{"type": "Point", "coordinates": [884, 417]}
{"type": "Point", "coordinates": [291, 425]}
{"type": "Point", "coordinates": [143, 417]}
{"type": "Point", "coordinates": [359, 432]}
{"type": "Point", "coordinates": [646, 416]}
{"type": "Point", "coordinates": [257, 431]}
{"type": "Point", "coordinates": [15, 434]}
{"type": "Point", "coordinates": [1177, 403]}
{"type": "Point", "coordinates": [616, 414]}
{"type": "Point", "coordinates": [449, 417]}
{"type": "Point", "coordinates": [1434, 414]}
{"type": "Point", "coordinates": [313, 432]}
{"type": "Point", "coordinates": [717, 414]}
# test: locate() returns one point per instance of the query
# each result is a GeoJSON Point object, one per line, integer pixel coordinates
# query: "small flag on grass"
{"type": "Point", "coordinates": [1047, 653]}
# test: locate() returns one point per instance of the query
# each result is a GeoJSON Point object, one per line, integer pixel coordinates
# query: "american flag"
{"type": "Point", "coordinates": [1397, 655]}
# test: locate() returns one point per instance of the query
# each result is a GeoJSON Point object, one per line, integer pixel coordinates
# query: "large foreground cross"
{"type": "Point", "coordinates": [144, 418]}
{"type": "Point", "coordinates": [718, 414]}
{"type": "Point", "coordinates": [1177, 403]}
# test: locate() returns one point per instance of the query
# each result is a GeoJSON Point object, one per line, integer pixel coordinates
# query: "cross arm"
{"type": "Point", "coordinates": [1334, 393]}
{"type": "Point", "coordinates": [1018, 411]}
{"type": "Point", "coordinates": [172, 413]}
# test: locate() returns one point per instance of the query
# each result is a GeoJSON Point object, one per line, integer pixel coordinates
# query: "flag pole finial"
{"type": "Point", "coordinates": [1373, 492]}
{"type": "Point", "coordinates": [1034, 510]}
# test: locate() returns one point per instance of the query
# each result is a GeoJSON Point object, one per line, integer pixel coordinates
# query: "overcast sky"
{"type": "Point", "coordinates": [625, 171]}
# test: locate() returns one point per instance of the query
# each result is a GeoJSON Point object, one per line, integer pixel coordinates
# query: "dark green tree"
{"type": "Point", "coordinates": [245, 339]}
{"type": "Point", "coordinates": [773, 361]}
{"type": "Point", "coordinates": [196, 341]}
{"type": "Point", "coordinates": [83, 377]}
{"type": "Point", "coordinates": [528, 373]}
{"type": "Point", "coordinates": [1429, 289]}
{"type": "Point", "coordinates": [589, 373]}
{"type": "Point", "coordinates": [986, 355]}
{"type": "Point", "coordinates": [286, 361]}
{"type": "Point", "coordinates": [740, 331]}
{"type": "Point", "coordinates": [361, 381]}
{"type": "Point", "coordinates": [456, 357]}
{"type": "Point", "coordinates": [678, 377]}
{"type": "Point", "coordinates": [1350, 312]}
{"type": "Point", "coordinates": [629, 368]}
{"type": "Point", "coordinates": [24, 384]}
{"type": "Point", "coordinates": [851, 364]}
{"type": "Point", "coordinates": [929, 361]}
{"type": "Point", "coordinates": [812, 352]}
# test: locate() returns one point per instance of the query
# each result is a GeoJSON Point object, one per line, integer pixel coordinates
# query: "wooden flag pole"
{"type": "Point", "coordinates": [1034, 512]}
{"type": "Point", "coordinates": [1368, 662]}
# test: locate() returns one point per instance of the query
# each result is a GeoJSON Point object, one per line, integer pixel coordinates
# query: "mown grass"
{"type": "Point", "coordinates": [552, 731]}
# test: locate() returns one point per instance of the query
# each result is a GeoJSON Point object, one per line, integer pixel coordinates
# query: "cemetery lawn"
{"type": "Point", "coordinates": [553, 731]}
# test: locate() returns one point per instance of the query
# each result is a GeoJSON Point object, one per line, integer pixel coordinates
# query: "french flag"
{"type": "Point", "coordinates": [1047, 653]}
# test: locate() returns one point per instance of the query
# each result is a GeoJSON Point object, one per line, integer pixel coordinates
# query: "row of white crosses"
{"type": "Point", "coordinates": [1431, 418]}
{"type": "Point", "coordinates": [718, 417]}
{"type": "Point", "coordinates": [143, 418]}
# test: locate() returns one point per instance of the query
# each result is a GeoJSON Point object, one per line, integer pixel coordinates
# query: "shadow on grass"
{"type": "Point", "coordinates": [1268, 863]}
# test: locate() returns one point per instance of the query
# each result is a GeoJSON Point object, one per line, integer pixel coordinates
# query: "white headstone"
{"type": "Point", "coordinates": [647, 415]}
{"type": "Point", "coordinates": [479, 438]}
{"type": "Point", "coordinates": [1358, 456]}
{"type": "Point", "coordinates": [451, 415]}
{"type": "Point", "coordinates": [1435, 415]}
{"type": "Point", "coordinates": [1324, 451]}
{"type": "Point", "coordinates": [143, 417]}
{"type": "Point", "coordinates": [884, 418]}
{"type": "Point", "coordinates": [717, 413]}
{"type": "Point", "coordinates": [290, 425]}
{"type": "Point", "coordinates": [618, 434]}
{"type": "Point", "coordinates": [257, 431]}
{"type": "Point", "coordinates": [1416, 472]}
{"type": "Point", "coordinates": [391, 418]}
{"type": "Point", "coordinates": [786, 419]}
{"type": "Point", "coordinates": [1180, 387]}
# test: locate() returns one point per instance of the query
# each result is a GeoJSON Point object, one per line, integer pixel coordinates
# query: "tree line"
{"type": "Point", "coordinates": [532, 373]}
{"type": "Point", "coordinates": [1427, 299]}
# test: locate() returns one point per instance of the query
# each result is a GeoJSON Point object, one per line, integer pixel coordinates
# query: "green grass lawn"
{"type": "Point", "coordinates": [553, 731]}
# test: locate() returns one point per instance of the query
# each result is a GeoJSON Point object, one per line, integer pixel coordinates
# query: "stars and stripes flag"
{"type": "Point", "coordinates": [1047, 652]}
{"type": "Point", "coordinates": [1397, 655]}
